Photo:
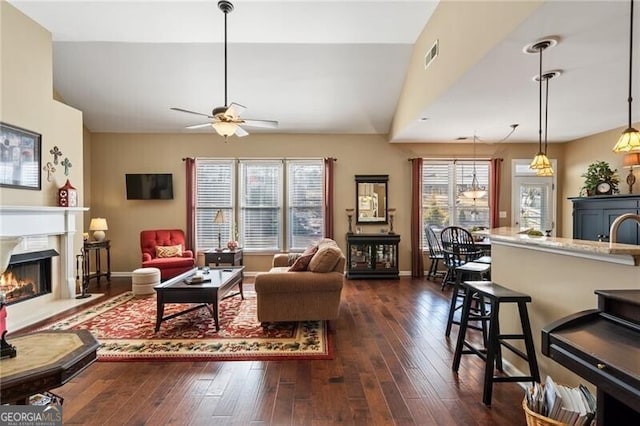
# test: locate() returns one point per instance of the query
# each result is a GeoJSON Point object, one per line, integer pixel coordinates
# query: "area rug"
{"type": "Point", "coordinates": [124, 326]}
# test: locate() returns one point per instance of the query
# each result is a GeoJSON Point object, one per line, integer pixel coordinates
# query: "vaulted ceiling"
{"type": "Point", "coordinates": [333, 67]}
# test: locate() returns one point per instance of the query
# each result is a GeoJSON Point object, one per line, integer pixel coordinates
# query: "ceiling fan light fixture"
{"type": "Point", "coordinates": [224, 128]}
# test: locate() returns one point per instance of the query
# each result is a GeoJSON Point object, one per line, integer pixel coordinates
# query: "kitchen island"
{"type": "Point", "coordinates": [560, 275]}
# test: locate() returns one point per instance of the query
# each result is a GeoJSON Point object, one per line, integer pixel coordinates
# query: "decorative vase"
{"type": "Point", "coordinates": [232, 245]}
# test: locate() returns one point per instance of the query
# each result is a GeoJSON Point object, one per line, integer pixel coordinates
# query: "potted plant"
{"type": "Point", "coordinates": [600, 179]}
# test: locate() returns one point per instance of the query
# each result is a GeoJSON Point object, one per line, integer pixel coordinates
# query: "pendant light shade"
{"type": "Point", "coordinates": [475, 191]}
{"type": "Point", "coordinates": [630, 139]}
{"type": "Point", "coordinates": [546, 170]}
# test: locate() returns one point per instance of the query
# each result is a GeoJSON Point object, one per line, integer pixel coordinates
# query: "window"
{"type": "Point", "coordinates": [443, 202]}
{"type": "Point", "coordinates": [215, 188]}
{"type": "Point", "coordinates": [278, 204]}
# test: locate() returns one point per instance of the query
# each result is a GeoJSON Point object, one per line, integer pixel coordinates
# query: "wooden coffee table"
{"type": "Point", "coordinates": [206, 294]}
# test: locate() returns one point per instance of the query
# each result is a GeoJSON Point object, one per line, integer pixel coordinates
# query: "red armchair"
{"type": "Point", "coordinates": [172, 258]}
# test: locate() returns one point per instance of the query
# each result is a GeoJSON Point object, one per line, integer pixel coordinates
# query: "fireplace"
{"type": "Point", "coordinates": [27, 276]}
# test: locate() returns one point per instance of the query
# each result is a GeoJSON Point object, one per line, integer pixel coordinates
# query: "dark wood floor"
{"type": "Point", "coordinates": [391, 365]}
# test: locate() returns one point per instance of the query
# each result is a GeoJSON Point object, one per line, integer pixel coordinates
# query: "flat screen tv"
{"type": "Point", "coordinates": [149, 186]}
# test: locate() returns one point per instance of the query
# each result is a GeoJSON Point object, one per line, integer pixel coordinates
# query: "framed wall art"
{"type": "Point", "coordinates": [20, 157]}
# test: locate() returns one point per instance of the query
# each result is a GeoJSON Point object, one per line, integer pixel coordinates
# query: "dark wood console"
{"type": "Point", "coordinates": [372, 256]}
{"type": "Point", "coordinates": [592, 217]}
{"type": "Point", "coordinates": [603, 346]}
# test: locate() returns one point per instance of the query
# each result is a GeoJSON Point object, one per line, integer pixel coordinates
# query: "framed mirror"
{"type": "Point", "coordinates": [371, 199]}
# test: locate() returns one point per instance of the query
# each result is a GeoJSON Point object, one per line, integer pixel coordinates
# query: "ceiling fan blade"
{"type": "Point", "coordinates": [190, 112]}
{"type": "Point", "coordinates": [198, 126]}
{"type": "Point", "coordinates": [271, 124]}
{"type": "Point", "coordinates": [234, 110]}
{"type": "Point", "coordinates": [240, 132]}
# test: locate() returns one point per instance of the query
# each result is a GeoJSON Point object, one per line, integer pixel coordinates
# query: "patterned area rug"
{"type": "Point", "coordinates": [124, 326]}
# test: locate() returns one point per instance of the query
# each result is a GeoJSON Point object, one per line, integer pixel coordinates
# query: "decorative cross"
{"type": "Point", "coordinates": [56, 153]}
{"type": "Point", "coordinates": [67, 165]}
{"type": "Point", "coordinates": [50, 169]}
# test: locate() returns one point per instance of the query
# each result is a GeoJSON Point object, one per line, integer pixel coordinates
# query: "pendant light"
{"type": "Point", "coordinates": [630, 138]}
{"type": "Point", "coordinates": [475, 191]}
{"type": "Point", "coordinates": [540, 161]}
{"type": "Point", "coordinates": [547, 171]}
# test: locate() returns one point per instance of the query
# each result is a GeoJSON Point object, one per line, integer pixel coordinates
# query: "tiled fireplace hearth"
{"type": "Point", "coordinates": [44, 230]}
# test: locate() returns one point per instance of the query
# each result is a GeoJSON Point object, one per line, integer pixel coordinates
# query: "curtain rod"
{"type": "Point", "coordinates": [456, 159]}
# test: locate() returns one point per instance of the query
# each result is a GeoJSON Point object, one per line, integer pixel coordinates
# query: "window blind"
{"type": "Point", "coordinates": [305, 180]}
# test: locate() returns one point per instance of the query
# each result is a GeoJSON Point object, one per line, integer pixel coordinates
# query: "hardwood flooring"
{"type": "Point", "coordinates": [391, 365]}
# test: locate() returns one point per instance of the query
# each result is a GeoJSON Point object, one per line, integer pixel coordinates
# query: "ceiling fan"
{"type": "Point", "coordinates": [226, 119]}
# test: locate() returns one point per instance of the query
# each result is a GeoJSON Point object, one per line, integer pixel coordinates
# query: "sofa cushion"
{"type": "Point", "coordinates": [302, 262]}
{"type": "Point", "coordinates": [325, 259]}
{"type": "Point", "coordinates": [169, 251]}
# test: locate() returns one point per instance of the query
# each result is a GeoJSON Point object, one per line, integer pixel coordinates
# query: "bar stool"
{"type": "Point", "coordinates": [471, 271]}
{"type": "Point", "coordinates": [496, 294]}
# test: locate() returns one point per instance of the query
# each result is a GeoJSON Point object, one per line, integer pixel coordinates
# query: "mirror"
{"type": "Point", "coordinates": [371, 199]}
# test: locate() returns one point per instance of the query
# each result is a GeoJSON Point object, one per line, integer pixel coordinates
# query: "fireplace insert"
{"type": "Point", "coordinates": [27, 276]}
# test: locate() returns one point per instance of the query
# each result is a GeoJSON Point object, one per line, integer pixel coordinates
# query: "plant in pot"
{"type": "Point", "coordinates": [600, 179]}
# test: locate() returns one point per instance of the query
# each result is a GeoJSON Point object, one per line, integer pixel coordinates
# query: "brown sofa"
{"type": "Point", "coordinates": [284, 295]}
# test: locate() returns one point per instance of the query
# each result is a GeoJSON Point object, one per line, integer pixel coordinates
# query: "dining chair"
{"type": "Point", "coordinates": [458, 248]}
{"type": "Point", "coordinates": [435, 252]}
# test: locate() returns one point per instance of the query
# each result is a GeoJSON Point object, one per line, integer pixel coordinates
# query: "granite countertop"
{"type": "Point", "coordinates": [512, 235]}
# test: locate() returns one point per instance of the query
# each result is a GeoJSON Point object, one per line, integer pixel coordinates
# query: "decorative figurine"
{"type": "Point", "coordinates": [67, 195]}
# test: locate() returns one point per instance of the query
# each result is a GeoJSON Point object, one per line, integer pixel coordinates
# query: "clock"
{"type": "Point", "coordinates": [67, 195]}
{"type": "Point", "coordinates": [603, 188]}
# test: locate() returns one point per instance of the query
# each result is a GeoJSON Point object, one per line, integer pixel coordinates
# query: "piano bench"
{"type": "Point", "coordinates": [495, 294]}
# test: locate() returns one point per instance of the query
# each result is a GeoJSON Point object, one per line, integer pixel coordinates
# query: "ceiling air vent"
{"type": "Point", "coordinates": [431, 54]}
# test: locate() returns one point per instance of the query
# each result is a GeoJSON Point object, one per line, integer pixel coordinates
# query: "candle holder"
{"type": "Point", "coordinates": [350, 216]}
{"type": "Point", "coordinates": [391, 213]}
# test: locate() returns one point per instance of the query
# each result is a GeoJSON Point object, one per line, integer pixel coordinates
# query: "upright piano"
{"type": "Point", "coordinates": [603, 346]}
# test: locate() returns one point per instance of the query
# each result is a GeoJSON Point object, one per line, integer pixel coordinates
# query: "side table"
{"type": "Point", "coordinates": [232, 257]}
{"type": "Point", "coordinates": [96, 247]}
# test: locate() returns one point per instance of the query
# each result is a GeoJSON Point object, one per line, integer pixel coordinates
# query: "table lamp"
{"type": "Point", "coordinates": [630, 160]}
{"type": "Point", "coordinates": [98, 226]}
{"type": "Point", "coordinates": [219, 219]}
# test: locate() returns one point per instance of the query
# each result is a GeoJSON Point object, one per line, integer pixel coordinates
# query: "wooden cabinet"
{"type": "Point", "coordinates": [372, 256]}
{"type": "Point", "coordinates": [592, 217]}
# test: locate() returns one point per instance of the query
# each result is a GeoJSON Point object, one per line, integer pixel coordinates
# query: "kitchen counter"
{"type": "Point", "coordinates": [625, 254]}
{"type": "Point", "coordinates": [560, 275]}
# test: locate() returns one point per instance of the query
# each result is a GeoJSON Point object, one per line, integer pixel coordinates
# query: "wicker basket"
{"type": "Point", "coordinates": [535, 419]}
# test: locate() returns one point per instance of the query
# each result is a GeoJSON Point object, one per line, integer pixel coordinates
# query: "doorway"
{"type": "Point", "coordinates": [533, 198]}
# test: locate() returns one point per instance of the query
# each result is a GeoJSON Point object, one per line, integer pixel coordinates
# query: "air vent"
{"type": "Point", "coordinates": [431, 54]}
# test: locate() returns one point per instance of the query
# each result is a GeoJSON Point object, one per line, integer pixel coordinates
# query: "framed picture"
{"type": "Point", "coordinates": [20, 157]}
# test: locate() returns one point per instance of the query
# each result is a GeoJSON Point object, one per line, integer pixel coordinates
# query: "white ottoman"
{"type": "Point", "coordinates": [143, 280]}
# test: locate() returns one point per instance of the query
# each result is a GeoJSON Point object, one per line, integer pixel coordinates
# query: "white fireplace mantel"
{"type": "Point", "coordinates": [23, 221]}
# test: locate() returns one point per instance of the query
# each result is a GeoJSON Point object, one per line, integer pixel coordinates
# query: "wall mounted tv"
{"type": "Point", "coordinates": [149, 186]}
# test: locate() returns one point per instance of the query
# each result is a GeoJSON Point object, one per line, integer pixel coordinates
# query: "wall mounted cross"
{"type": "Point", "coordinates": [50, 169]}
{"type": "Point", "coordinates": [56, 153]}
{"type": "Point", "coordinates": [67, 165]}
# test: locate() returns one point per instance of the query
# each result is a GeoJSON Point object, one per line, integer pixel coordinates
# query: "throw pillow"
{"type": "Point", "coordinates": [169, 251]}
{"type": "Point", "coordinates": [326, 259]}
{"type": "Point", "coordinates": [302, 262]}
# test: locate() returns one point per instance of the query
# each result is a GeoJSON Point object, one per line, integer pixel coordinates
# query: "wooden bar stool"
{"type": "Point", "coordinates": [469, 271]}
{"type": "Point", "coordinates": [496, 294]}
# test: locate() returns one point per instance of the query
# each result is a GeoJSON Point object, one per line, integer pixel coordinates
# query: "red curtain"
{"type": "Point", "coordinates": [329, 164]}
{"type": "Point", "coordinates": [494, 191]}
{"type": "Point", "coordinates": [190, 175]}
{"type": "Point", "coordinates": [417, 263]}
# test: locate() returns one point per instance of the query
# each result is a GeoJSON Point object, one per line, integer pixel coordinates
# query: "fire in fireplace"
{"type": "Point", "coordinates": [27, 276]}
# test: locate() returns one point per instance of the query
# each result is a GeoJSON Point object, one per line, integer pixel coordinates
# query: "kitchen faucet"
{"type": "Point", "coordinates": [613, 232]}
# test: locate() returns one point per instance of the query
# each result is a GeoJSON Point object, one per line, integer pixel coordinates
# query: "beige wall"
{"type": "Point", "coordinates": [27, 102]}
{"type": "Point", "coordinates": [113, 155]}
{"type": "Point", "coordinates": [579, 154]}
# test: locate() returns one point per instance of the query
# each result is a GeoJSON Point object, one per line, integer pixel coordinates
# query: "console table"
{"type": "Point", "coordinates": [96, 247]}
{"type": "Point", "coordinates": [372, 256]}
